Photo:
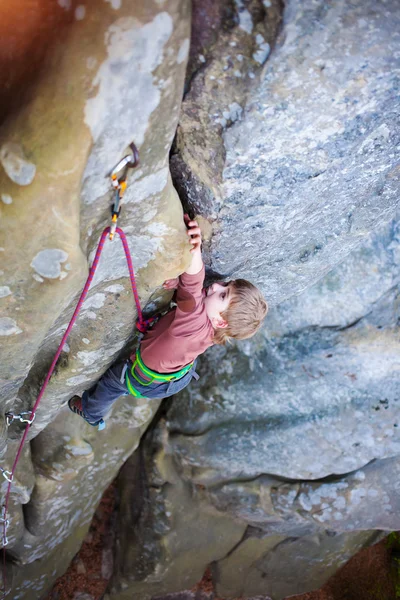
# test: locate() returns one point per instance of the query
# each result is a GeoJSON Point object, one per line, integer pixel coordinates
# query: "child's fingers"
{"type": "Point", "coordinates": [196, 245]}
{"type": "Point", "coordinates": [170, 283]}
{"type": "Point", "coordinates": [194, 231]}
{"type": "Point", "coordinates": [195, 240]}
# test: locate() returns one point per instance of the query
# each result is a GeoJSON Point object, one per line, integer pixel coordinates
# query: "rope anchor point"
{"type": "Point", "coordinates": [10, 417]}
{"type": "Point", "coordinates": [130, 161]}
{"type": "Point", "coordinates": [7, 475]}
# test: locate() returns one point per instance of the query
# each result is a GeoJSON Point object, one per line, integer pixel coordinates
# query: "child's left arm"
{"type": "Point", "coordinates": [194, 233]}
{"type": "Point", "coordinates": [196, 265]}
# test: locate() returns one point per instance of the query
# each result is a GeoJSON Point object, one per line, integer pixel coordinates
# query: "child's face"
{"type": "Point", "coordinates": [216, 302]}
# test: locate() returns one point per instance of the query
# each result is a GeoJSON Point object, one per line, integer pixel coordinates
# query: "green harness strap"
{"type": "Point", "coordinates": [158, 377]}
{"type": "Point", "coordinates": [131, 389]}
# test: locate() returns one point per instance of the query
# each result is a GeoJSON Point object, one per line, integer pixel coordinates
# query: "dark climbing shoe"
{"type": "Point", "coordinates": [75, 405]}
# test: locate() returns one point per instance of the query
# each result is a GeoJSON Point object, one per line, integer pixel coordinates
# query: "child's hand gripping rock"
{"type": "Point", "coordinates": [194, 233]}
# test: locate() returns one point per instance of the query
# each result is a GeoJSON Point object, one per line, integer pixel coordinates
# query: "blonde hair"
{"type": "Point", "coordinates": [245, 313]}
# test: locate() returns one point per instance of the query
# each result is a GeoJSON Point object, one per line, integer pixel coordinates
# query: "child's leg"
{"type": "Point", "coordinates": [97, 401]}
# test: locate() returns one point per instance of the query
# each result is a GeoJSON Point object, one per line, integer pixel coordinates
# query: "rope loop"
{"type": "Point", "coordinates": [142, 325]}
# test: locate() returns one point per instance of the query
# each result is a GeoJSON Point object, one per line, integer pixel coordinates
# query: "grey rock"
{"type": "Point", "coordinates": [15, 164]}
{"type": "Point", "coordinates": [289, 567]}
{"type": "Point", "coordinates": [82, 596]}
{"type": "Point", "coordinates": [217, 90]}
{"type": "Point", "coordinates": [165, 539]}
{"type": "Point", "coordinates": [311, 164]}
{"type": "Point", "coordinates": [294, 432]}
{"type": "Point", "coordinates": [312, 397]}
{"type": "Point", "coordinates": [107, 563]}
{"type": "Point", "coordinates": [267, 404]}
{"type": "Point", "coordinates": [103, 85]}
{"type": "Point", "coordinates": [364, 499]}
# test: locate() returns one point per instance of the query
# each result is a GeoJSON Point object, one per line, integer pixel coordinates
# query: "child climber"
{"type": "Point", "coordinates": [165, 361]}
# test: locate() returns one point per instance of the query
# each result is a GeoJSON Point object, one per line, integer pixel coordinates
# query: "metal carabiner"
{"type": "Point", "coordinates": [130, 161]}
{"type": "Point", "coordinates": [10, 417]}
{"type": "Point", "coordinates": [7, 475]}
{"type": "Point", "coordinates": [23, 420]}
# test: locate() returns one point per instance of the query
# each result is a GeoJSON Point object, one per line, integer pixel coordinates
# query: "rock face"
{"type": "Point", "coordinates": [289, 443]}
{"type": "Point", "coordinates": [102, 86]}
{"type": "Point", "coordinates": [310, 164]}
{"type": "Point", "coordinates": [293, 435]}
{"type": "Point", "coordinates": [285, 453]}
{"type": "Point", "coordinates": [328, 380]}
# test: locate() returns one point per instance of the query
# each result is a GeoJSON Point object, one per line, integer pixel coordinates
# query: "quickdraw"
{"type": "Point", "coordinates": [119, 184]}
{"type": "Point", "coordinates": [5, 522]}
{"type": "Point", "coordinates": [6, 474]}
{"type": "Point", "coordinates": [10, 417]}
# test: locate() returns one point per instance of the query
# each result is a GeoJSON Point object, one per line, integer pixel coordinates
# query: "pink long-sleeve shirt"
{"type": "Point", "coordinates": [183, 333]}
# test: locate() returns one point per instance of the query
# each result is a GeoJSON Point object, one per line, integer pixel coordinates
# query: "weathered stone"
{"type": "Point", "coordinates": [274, 442]}
{"type": "Point", "coordinates": [314, 394]}
{"type": "Point", "coordinates": [165, 537]}
{"type": "Point", "coordinates": [306, 172]}
{"type": "Point", "coordinates": [310, 163]}
{"type": "Point", "coordinates": [364, 499]}
{"type": "Point", "coordinates": [291, 566]}
{"type": "Point", "coordinates": [319, 377]}
{"type": "Point", "coordinates": [102, 86]}
{"type": "Point", "coordinates": [222, 70]}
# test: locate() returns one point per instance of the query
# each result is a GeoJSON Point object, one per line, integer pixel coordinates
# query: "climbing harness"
{"type": "Point", "coordinates": [153, 375]}
{"type": "Point", "coordinates": [119, 184]}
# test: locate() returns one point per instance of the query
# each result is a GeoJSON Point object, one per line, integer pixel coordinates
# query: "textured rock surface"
{"type": "Point", "coordinates": [223, 69]}
{"type": "Point", "coordinates": [311, 163]}
{"type": "Point", "coordinates": [289, 443]}
{"type": "Point", "coordinates": [315, 395]}
{"type": "Point", "coordinates": [262, 563]}
{"type": "Point", "coordinates": [328, 381]}
{"type": "Point", "coordinates": [289, 433]}
{"type": "Point", "coordinates": [166, 538]}
{"type": "Point", "coordinates": [102, 86]}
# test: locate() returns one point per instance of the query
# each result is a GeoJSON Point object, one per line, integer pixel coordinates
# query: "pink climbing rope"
{"type": "Point", "coordinates": [142, 325]}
